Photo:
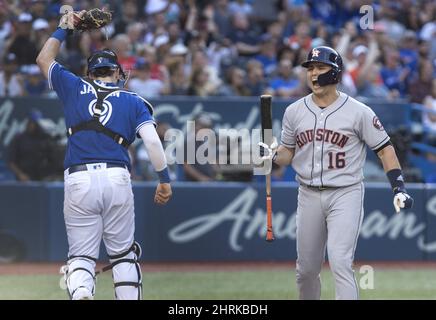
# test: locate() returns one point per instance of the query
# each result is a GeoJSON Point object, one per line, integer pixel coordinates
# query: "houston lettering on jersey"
{"type": "Point", "coordinates": [325, 135]}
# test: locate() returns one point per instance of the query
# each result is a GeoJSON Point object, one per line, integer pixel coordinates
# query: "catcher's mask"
{"type": "Point", "coordinates": [328, 56]}
{"type": "Point", "coordinates": [105, 58]}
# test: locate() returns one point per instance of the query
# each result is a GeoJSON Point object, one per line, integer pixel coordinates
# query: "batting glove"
{"type": "Point", "coordinates": [402, 200]}
{"type": "Point", "coordinates": [268, 152]}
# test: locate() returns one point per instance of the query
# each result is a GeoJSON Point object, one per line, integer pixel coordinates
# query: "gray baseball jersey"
{"type": "Point", "coordinates": [330, 143]}
{"type": "Point", "coordinates": [330, 152]}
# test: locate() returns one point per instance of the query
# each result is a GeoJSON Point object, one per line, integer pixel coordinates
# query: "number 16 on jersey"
{"type": "Point", "coordinates": [267, 138]}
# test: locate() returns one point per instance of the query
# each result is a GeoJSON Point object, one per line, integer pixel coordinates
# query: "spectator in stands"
{"type": "Point", "coordinates": [174, 33]}
{"type": "Point", "coordinates": [200, 61]}
{"type": "Point", "coordinates": [143, 84]}
{"type": "Point", "coordinates": [34, 154]}
{"type": "Point", "coordinates": [243, 36]}
{"type": "Point", "coordinates": [41, 34]}
{"type": "Point", "coordinates": [158, 68]}
{"type": "Point", "coordinates": [421, 85]}
{"type": "Point", "coordinates": [122, 46]}
{"type": "Point", "coordinates": [21, 43]}
{"type": "Point", "coordinates": [38, 8]}
{"type": "Point", "coordinates": [256, 83]}
{"type": "Point", "coordinates": [394, 74]}
{"type": "Point", "coordinates": [388, 18]}
{"type": "Point", "coordinates": [222, 16]}
{"type": "Point", "coordinates": [10, 81]}
{"type": "Point", "coordinates": [265, 12]}
{"type": "Point", "coordinates": [268, 54]}
{"type": "Point", "coordinates": [301, 39]}
{"type": "Point", "coordinates": [240, 6]}
{"type": "Point", "coordinates": [196, 171]}
{"type": "Point", "coordinates": [129, 14]}
{"type": "Point", "coordinates": [366, 74]}
{"type": "Point", "coordinates": [235, 83]}
{"type": "Point", "coordinates": [198, 84]}
{"type": "Point", "coordinates": [178, 80]}
{"type": "Point", "coordinates": [5, 27]}
{"type": "Point", "coordinates": [429, 118]}
{"type": "Point", "coordinates": [409, 52]}
{"type": "Point", "coordinates": [285, 84]}
{"type": "Point", "coordinates": [135, 32]}
{"type": "Point", "coordinates": [34, 83]}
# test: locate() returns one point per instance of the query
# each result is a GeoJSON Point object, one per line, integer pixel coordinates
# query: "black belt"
{"type": "Point", "coordinates": [319, 188]}
{"type": "Point", "coordinates": [83, 167]}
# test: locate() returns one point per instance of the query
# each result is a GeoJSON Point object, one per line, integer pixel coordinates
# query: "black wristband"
{"type": "Point", "coordinates": [396, 180]}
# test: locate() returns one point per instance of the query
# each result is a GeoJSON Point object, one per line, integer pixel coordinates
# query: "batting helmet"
{"type": "Point", "coordinates": [328, 56]}
{"type": "Point", "coordinates": [104, 58]}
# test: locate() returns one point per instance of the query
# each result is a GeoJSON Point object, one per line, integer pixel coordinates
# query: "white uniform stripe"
{"type": "Point", "coordinates": [144, 123]}
{"type": "Point", "coordinates": [50, 70]}
{"type": "Point", "coordinates": [147, 103]}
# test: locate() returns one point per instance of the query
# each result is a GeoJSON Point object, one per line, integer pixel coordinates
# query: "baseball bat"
{"type": "Point", "coordinates": [267, 137]}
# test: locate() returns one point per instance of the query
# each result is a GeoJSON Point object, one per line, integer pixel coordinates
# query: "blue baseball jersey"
{"type": "Point", "coordinates": [124, 112]}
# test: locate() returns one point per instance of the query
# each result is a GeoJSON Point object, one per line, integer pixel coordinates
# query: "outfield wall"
{"type": "Point", "coordinates": [215, 222]}
{"type": "Point", "coordinates": [226, 113]}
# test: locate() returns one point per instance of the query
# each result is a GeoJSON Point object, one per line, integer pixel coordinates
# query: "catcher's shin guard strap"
{"type": "Point", "coordinates": [127, 283]}
{"type": "Point", "coordinates": [135, 247]}
{"type": "Point", "coordinates": [126, 273]}
{"type": "Point", "coordinates": [80, 274]}
{"type": "Point", "coordinates": [127, 278]}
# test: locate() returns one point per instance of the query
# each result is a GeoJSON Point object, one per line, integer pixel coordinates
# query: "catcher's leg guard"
{"type": "Point", "coordinates": [79, 275]}
{"type": "Point", "coordinates": [126, 273]}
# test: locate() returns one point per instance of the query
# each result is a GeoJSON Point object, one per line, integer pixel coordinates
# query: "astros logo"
{"type": "Point", "coordinates": [106, 112]}
{"type": "Point", "coordinates": [377, 124]}
{"type": "Point", "coordinates": [315, 52]}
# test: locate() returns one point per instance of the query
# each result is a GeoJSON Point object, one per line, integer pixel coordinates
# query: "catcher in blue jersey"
{"type": "Point", "coordinates": [102, 120]}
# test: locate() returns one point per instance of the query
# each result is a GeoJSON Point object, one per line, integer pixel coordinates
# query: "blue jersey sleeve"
{"type": "Point", "coordinates": [62, 81]}
{"type": "Point", "coordinates": [144, 115]}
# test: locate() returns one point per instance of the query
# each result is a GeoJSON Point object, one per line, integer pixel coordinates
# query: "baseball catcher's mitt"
{"type": "Point", "coordinates": [92, 19]}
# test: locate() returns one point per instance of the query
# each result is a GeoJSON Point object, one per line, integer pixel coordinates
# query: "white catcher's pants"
{"type": "Point", "coordinates": [99, 205]}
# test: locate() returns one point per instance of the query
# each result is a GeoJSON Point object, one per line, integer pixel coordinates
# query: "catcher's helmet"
{"type": "Point", "coordinates": [328, 56]}
{"type": "Point", "coordinates": [104, 58]}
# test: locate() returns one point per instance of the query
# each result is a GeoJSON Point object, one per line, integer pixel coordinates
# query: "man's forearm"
{"type": "Point", "coordinates": [389, 159]}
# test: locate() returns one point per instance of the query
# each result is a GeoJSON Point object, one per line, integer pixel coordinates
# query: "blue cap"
{"type": "Point", "coordinates": [141, 64]}
{"type": "Point", "coordinates": [103, 58]}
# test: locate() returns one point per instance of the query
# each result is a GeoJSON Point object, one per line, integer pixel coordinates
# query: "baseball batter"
{"type": "Point", "coordinates": [102, 120]}
{"type": "Point", "coordinates": [324, 137]}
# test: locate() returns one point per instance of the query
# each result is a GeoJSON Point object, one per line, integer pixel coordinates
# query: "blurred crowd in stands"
{"type": "Point", "coordinates": [235, 47]}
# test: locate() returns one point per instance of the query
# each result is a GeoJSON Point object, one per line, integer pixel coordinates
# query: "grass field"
{"type": "Point", "coordinates": [245, 283]}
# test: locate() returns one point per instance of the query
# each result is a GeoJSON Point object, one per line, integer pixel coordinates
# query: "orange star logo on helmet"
{"type": "Point", "coordinates": [315, 52]}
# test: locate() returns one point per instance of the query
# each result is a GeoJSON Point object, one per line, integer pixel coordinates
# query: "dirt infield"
{"type": "Point", "coordinates": [53, 268]}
